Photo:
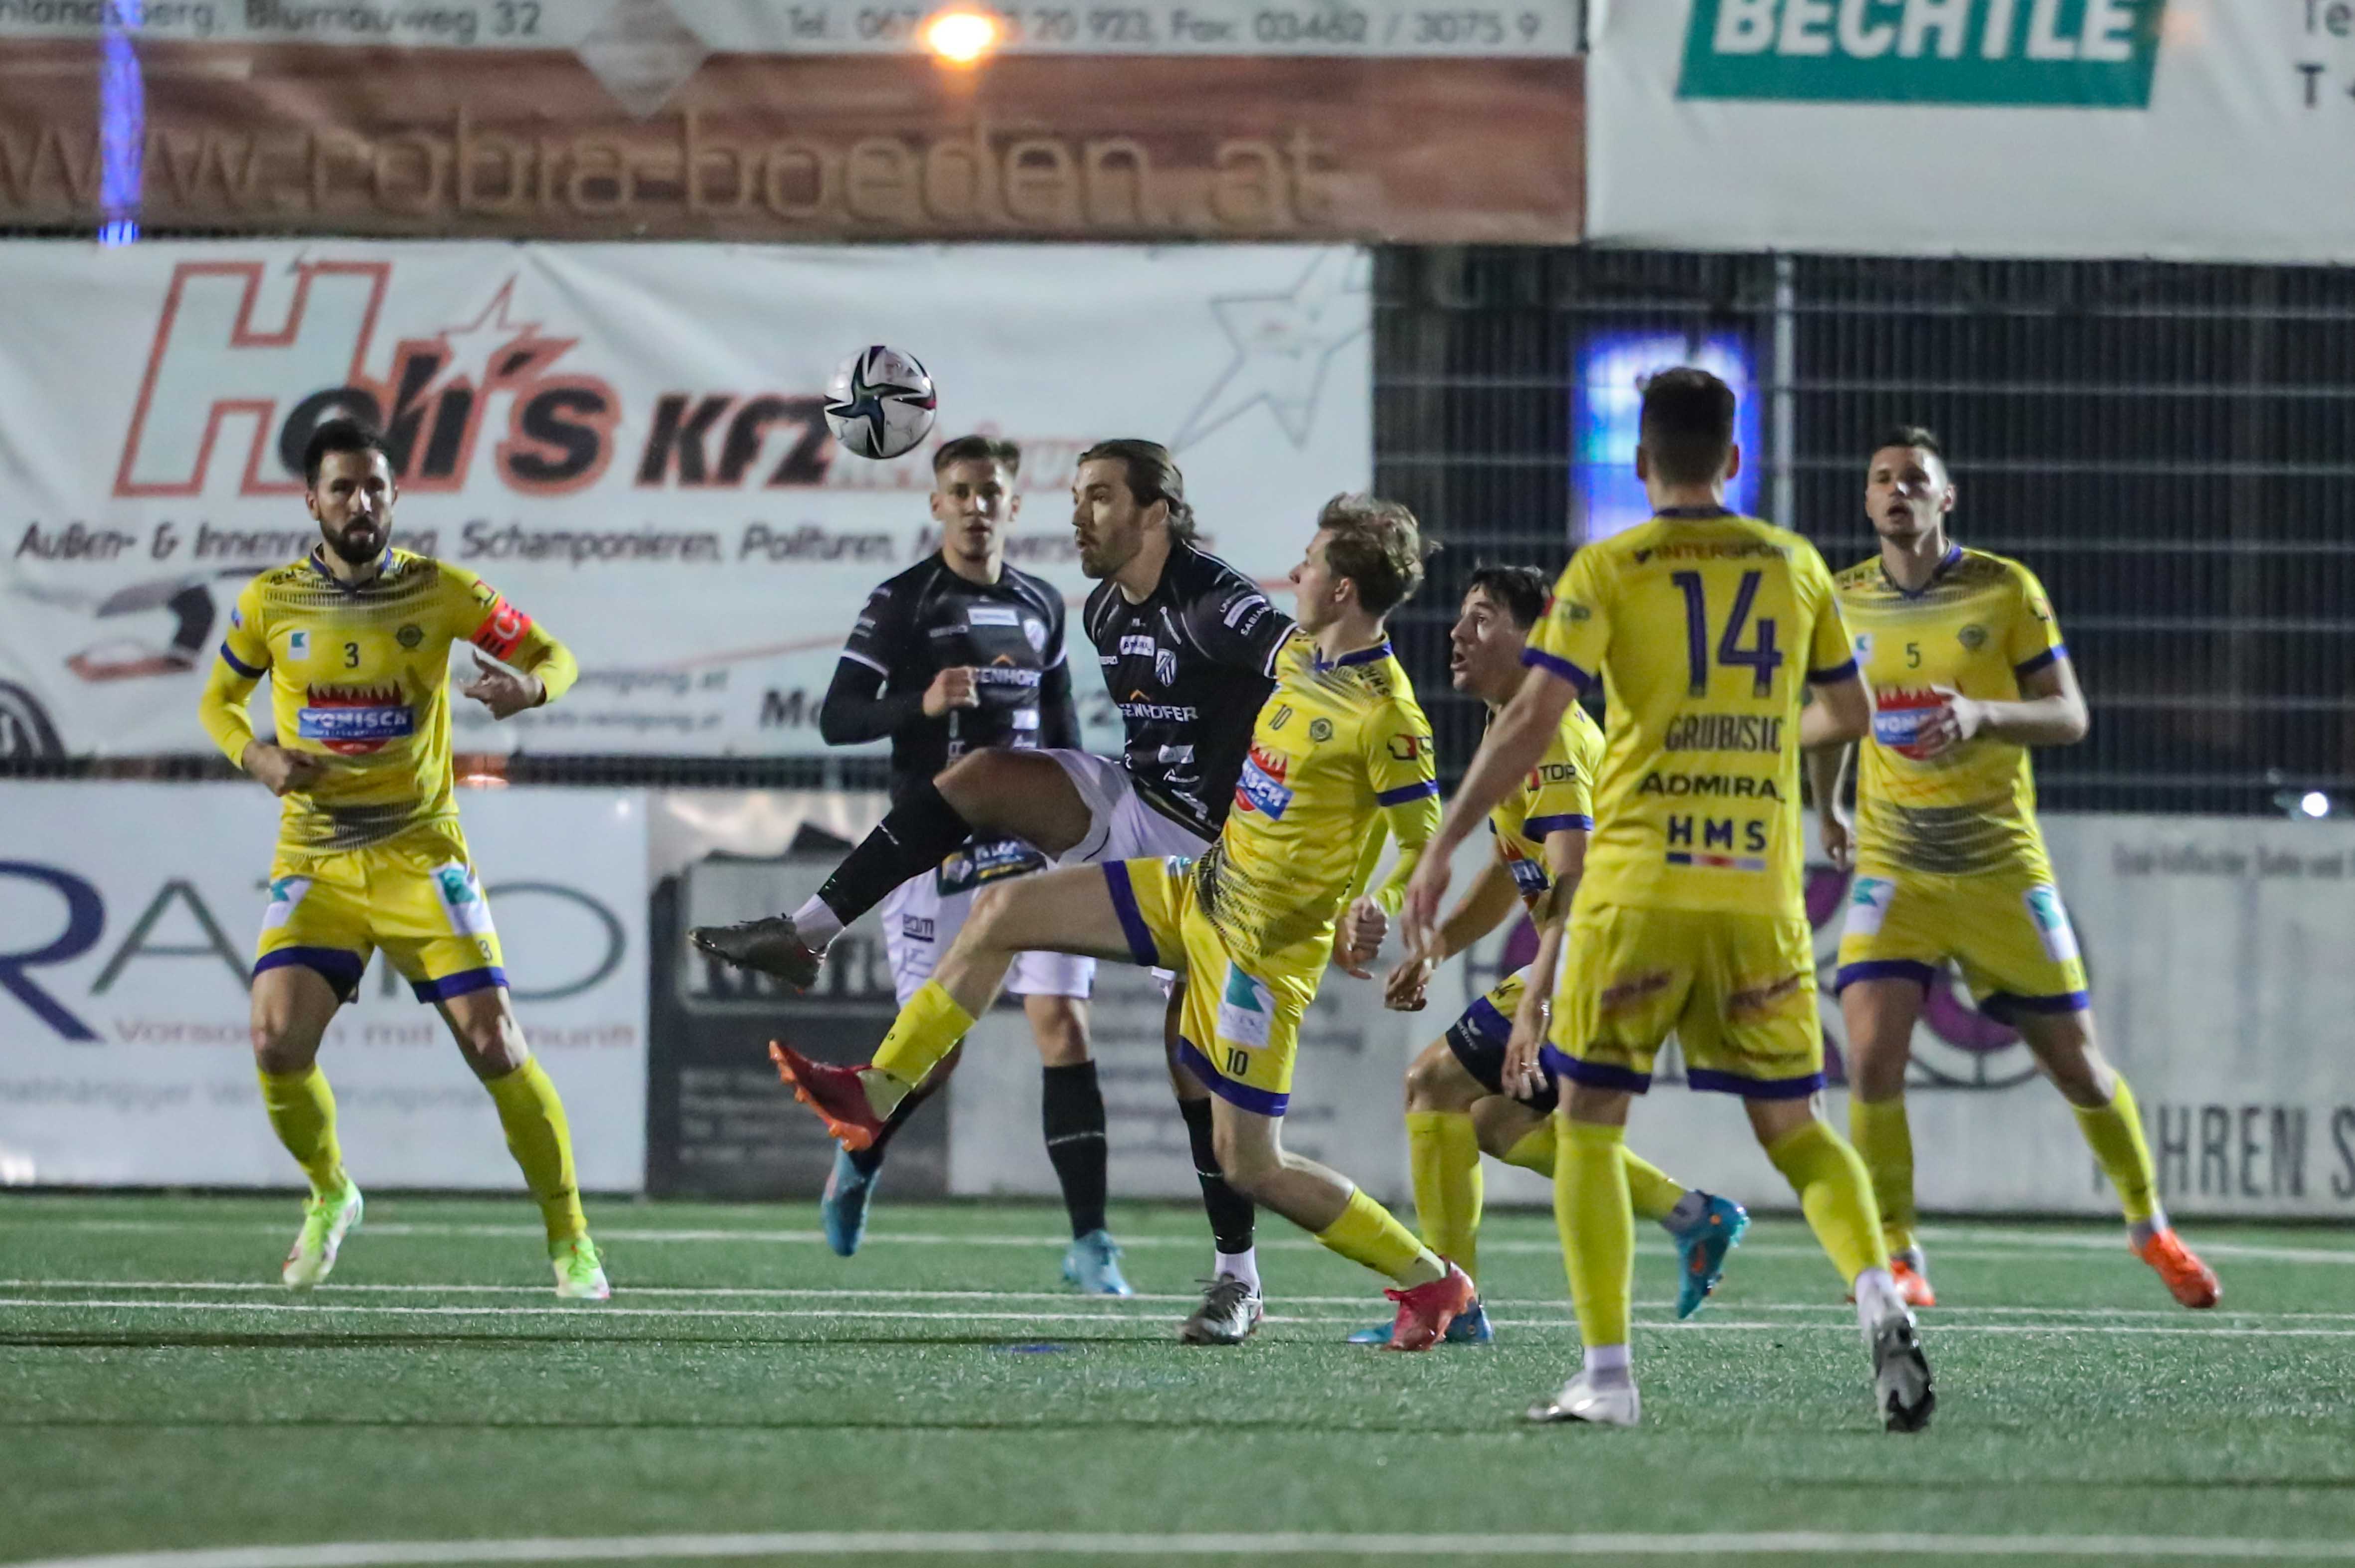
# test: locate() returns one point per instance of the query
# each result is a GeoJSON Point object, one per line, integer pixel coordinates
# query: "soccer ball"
{"type": "Point", "coordinates": [880, 402]}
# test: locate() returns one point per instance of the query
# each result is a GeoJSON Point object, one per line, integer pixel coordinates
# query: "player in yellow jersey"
{"type": "Point", "coordinates": [1339, 751]}
{"type": "Point", "coordinates": [1706, 630]}
{"type": "Point", "coordinates": [355, 642]}
{"type": "Point", "coordinates": [1968, 671]}
{"type": "Point", "coordinates": [1457, 1103]}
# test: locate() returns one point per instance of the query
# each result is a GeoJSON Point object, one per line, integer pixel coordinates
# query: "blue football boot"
{"type": "Point", "coordinates": [843, 1206]}
{"type": "Point", "coordinates": [1093, 1262]}
{"type": "Point", "coordinates": [1701, 1249]}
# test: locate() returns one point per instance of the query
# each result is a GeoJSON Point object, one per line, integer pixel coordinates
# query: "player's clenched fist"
{"type": "Point", "coordinates": [281, 771]}
{"type": "Point", "coordinates": [951, 688]}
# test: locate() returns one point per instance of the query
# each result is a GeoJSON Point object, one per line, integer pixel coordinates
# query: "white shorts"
{"type": "Point", "coordinates": [1121, 826]}
{"type": "Point", "coordinates": [919, 925]}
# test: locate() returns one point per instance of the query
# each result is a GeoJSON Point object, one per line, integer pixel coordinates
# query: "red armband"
{"type": "Point", "coordinates": [503, 630]}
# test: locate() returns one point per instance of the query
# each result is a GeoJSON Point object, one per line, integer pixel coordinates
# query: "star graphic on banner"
{"type": "Point", "coordinates": [1283, 344]}
{"type": "Point", "coordinates": [472, 344]}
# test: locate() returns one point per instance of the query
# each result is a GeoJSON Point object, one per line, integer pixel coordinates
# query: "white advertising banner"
{"type": "Point", "coordinates": [627, 439]}
{"type": "Point", "coordinates": [2184, 129]}
{"type": "Point", "coordinates": [128, 914]}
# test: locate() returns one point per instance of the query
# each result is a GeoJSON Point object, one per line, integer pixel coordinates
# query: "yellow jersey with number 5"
{"type": "Point", "coordinates": [1703, 629]}
{"type": "Point", "coordinates": [1979, 626]}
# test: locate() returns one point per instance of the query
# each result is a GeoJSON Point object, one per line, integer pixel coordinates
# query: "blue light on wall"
{"type": "Point", "coordinates": [121, 136]}
{"type": "Point", "coordinates": [1607, 402]}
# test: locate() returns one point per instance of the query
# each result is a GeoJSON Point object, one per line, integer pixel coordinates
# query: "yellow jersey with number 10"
{"type": "Point", "coordinates": [1979, 626]}
{"type": "Point", "coordinates": [1703, 629]}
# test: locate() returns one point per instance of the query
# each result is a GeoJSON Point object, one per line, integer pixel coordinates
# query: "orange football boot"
{"type": "Point", "coordinates": [835, 1093]}
{"type": "Point", "coordinates": [2193, 1282]}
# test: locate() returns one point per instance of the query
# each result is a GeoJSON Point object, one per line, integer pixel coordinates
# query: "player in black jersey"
{"type": "Point", "coordinates": [957, 653]}
{"type": "Point", "coordinates": [1185, 642]}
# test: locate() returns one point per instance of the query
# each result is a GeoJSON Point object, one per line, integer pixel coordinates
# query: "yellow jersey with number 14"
{"type": "Point", "coordinates": [1339, 749]}
{"type": "Point", "coordinates": [1979, 626]}
{"type": "Point", "coordinates": [1703, 629]}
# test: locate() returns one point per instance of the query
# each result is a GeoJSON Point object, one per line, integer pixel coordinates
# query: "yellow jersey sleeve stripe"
{"type": "Point", "coordinates": [1832, 676]}
{"type": "Point", "coordinates": [1406, 792]}
{"type": "Point", "coordinates": [1553, 665]}
{"type": "Point", "coordinates": [250, 672]}
{"type": "Point", "coordinates": [1536, 828]}
{"type": "Point", "coordinates": [2052, 655]}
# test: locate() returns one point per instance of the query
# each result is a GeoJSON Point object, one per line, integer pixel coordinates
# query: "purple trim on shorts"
{"type": "Point", "coordinates": [1920, 973]}
{"type": "Point", "coordinates": [240, 666]}
{"type": "Point", "coordinates": [2052, 655]}
{"type": "Point", "coordinates": [1260, 1102]}
{"type": "Point", "coordinates": [1489, 1025]}
{"type": "Point", "coordinates": [1595, 1074]}
{"type": "Point", "coordinates": [1539, 659]}
{"type": "Point", "coordinates": [337, 966]}
{"type": "Point", "coordinates": [1132, 919]}
{"type": "Point", "coordinates": [1837, 673]}
{"type": "Point", "coordinates": [459, 984]}
{"type": "Point", "coordinates": [1536, 828]}
{"type": "Point", "coordinates": [1996, 1004]}
{"type": "Point", "coordinates": [1417, 790]}
{"type": "Point", "coordinates": [1751, 1088]}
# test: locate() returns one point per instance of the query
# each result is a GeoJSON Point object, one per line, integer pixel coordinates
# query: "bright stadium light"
{"type": "Point", "coordinates": [2314, 803]}
{"type": "Point", "coordinates": [961, 38]}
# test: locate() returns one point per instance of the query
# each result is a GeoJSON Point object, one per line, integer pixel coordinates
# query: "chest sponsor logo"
{"type": "Point", "coordinates": [1727, 786]}
{"type": "Point", "coordinates": [353, 721]}
{"type": "Point", "coordinates": [1898, 714]}
{"type": "Point", "coordinates": [1138, 646]}
{"type": "Point", "coordinates": [977, 615]}
{"type": "Point", "coordinates": [1262, 788]}
{"type": "Point", "coordinates": [1140, 706]}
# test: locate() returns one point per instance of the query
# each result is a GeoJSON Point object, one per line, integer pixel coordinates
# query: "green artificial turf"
{"type": "Point", "coordinates": [159, 1391]}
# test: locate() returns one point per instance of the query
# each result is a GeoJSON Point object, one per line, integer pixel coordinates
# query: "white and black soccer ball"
{"type": "Point", "coordinates": [880, 402]}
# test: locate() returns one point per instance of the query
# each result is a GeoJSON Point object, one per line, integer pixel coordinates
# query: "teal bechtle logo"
{"type": "Point", "coordinates": [2081, 54]}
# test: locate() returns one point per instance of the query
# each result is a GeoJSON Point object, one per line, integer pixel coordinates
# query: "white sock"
{"type": "Point", "coordinates": [1607, 1366]}
{"type": "Point", "coordinates": [1242, 1265]}
{"type": "Point", "coordinates": [1877, 1299]}
{"type": "Point", "coordinates": [816, 924]}
{"type": "Point", "coordinates": [2140, 1231]}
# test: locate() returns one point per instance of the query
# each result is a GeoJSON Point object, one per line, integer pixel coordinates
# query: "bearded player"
{"type": "Point", "coordinates": [1969, 673]}
{"type": "Point", "coordinates": [1339, 753]}
{"type": "Point", "coordinates": [355, 642]}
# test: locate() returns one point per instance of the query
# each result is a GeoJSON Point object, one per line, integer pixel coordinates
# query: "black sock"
{"type": "Point", "coordinates": [871, 1156]}
{"type": "Point", "coordinates": [1231, 1215]}
{"type": "Point", "coordinates": [1071, 1109]}
{"type": "Point", "coordinates": [914, 836]}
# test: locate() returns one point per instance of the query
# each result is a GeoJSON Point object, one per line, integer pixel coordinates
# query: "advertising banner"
{"type": "Point", "coordinates": [711, 119]}
{"type": "Point", "coordinates": [627, 440]}
{"type": "Point", "coordinates": [128, 914]}
{"type": "Point", "coordinates": [2182, 130]}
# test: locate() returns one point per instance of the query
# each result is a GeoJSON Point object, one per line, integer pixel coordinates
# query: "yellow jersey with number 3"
{"type": "Point", "coordinates": [360, 676]}
{"type": "Point", "coordinates": [1558, 793]}
{"type": "Point", "coordinates": [1979, 627]}
{"type": "Point", "coordinates": [1339, 749]}
{"type": "Point", "coordinates": [1703, 629]}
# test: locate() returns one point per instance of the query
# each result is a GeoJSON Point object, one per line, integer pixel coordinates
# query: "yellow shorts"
{"type": "Point", "coordinates": [2006, 928]}
{"type": "Point", "coordinates": [1238, 1032]}
{"type": "Point", "coordinates": [416, 896]}
{"type": "Point", "coordinates": [1737, 990]}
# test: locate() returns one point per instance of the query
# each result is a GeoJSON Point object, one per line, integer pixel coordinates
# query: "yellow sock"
{"type": "Point", "coordinates": [1369, 1234]}
{"type": "Point", "coordinates": [1598, 1228]}
{"type": "Point", "coordinates": [1444, 1152]}
{"type": "Point", "coordinates": [303, 1112]}
{"type": "Point", "coordinates": [927, 1029]}
{"type": "Point", "coordinates": [542, 1145]}
{"type": "Point", "coordinates": [1837, 1195]}
{"type": "Point", "coordinates": [2113, 1132]}
{"type": "Point", "coordinates": [1651, 1191]}
{"type": "Point", "coordinates": [1885, 1142]}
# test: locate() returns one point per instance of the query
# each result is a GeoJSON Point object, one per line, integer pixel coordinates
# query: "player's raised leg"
{"type": "Point", "coordinates": [483, 1024]}
{"type": "Point", "coordinates": [1880, 1013]}
{"type": "Point", "coordinates": [2112, 1124]}
{"type": "Point", "coordinates": [293, 1005]}
{"type": "Point", "coordinates": [1060, 911]}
